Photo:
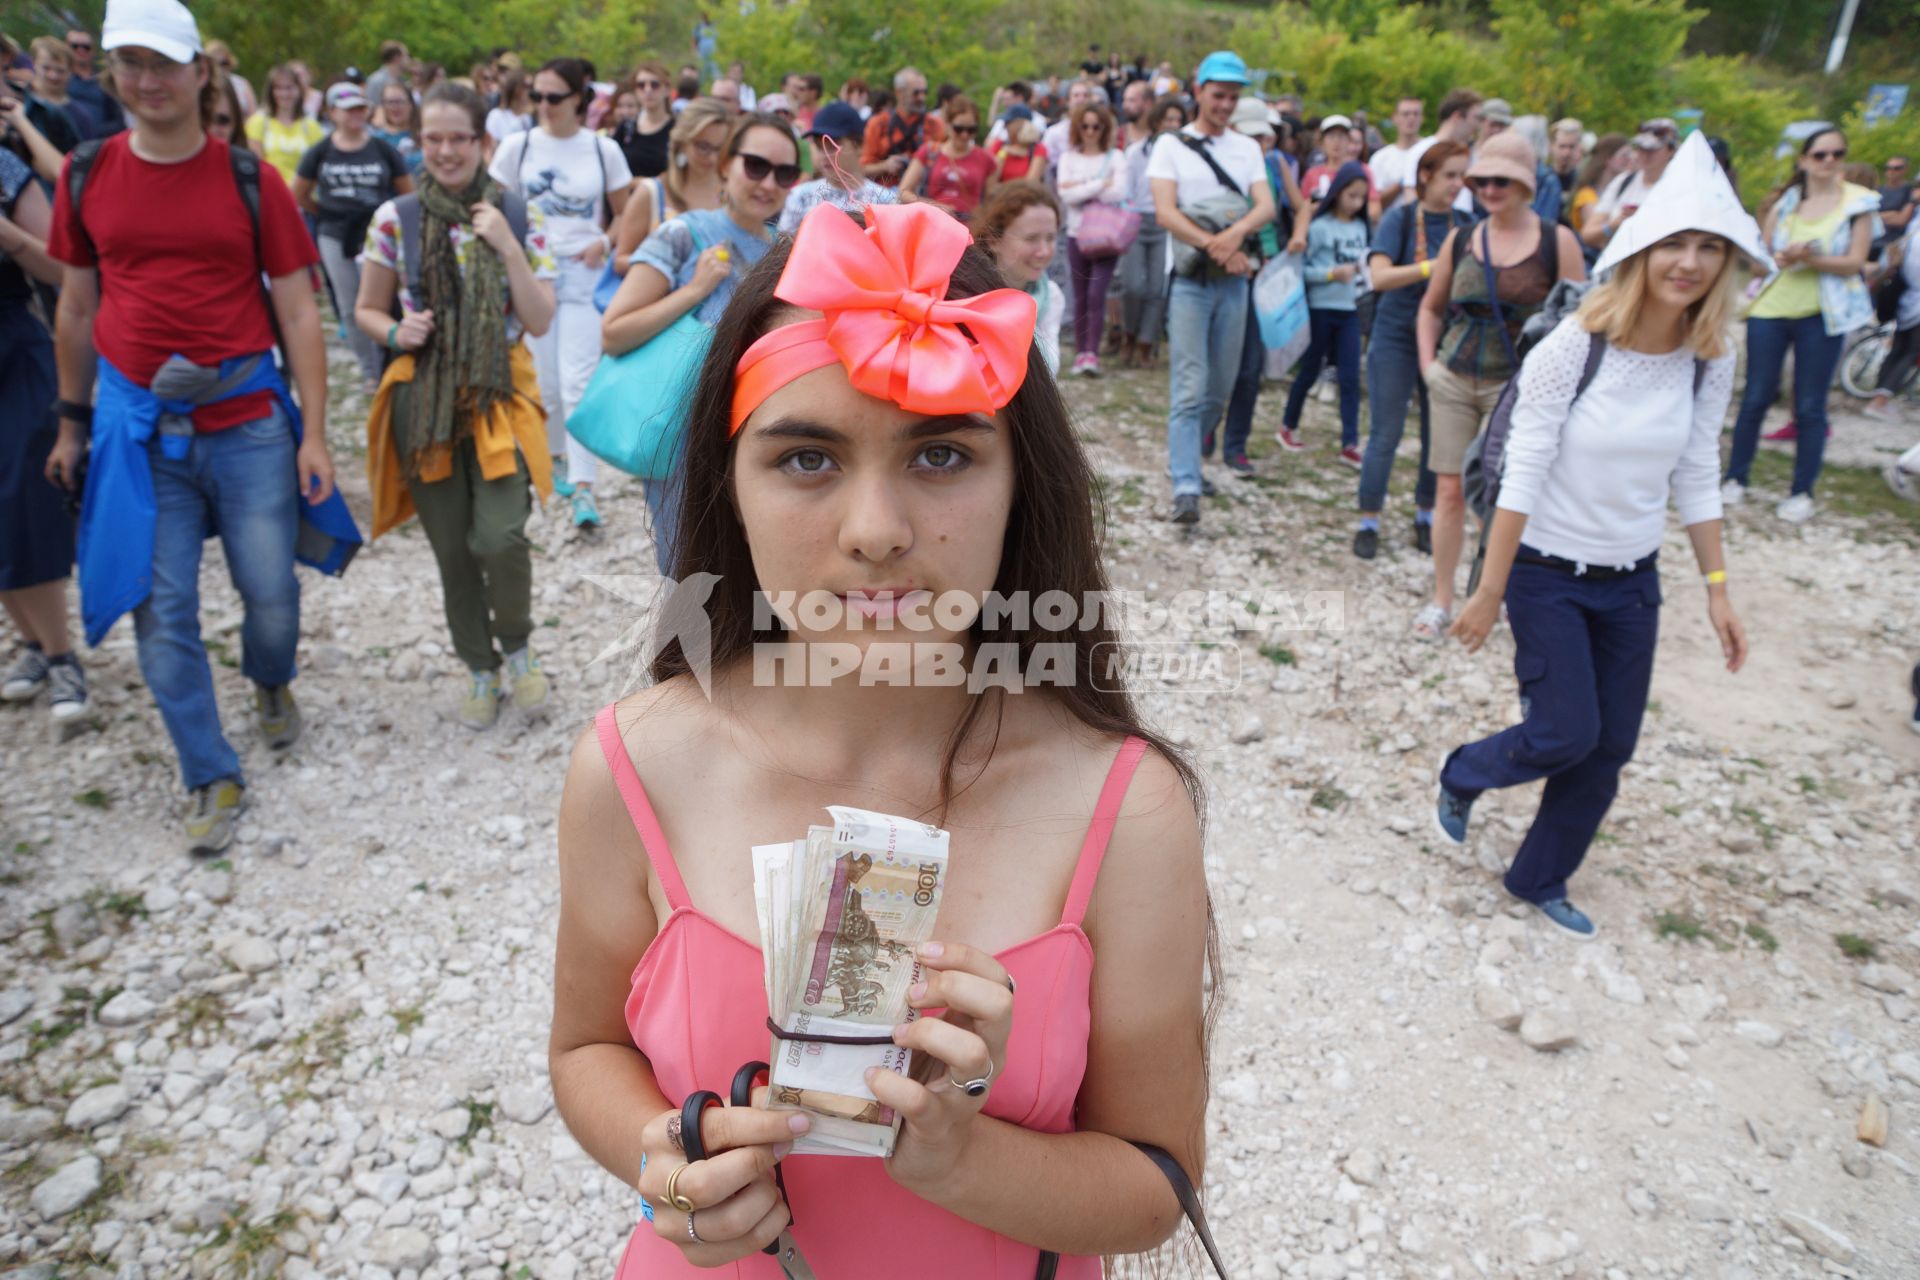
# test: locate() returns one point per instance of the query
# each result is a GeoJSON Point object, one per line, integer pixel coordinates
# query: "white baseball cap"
{"type": "Point", "coordinates": [164, 26]}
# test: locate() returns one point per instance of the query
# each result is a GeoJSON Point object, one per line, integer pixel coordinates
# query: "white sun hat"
{"type": "Point", "coordinates": [1692, 195]}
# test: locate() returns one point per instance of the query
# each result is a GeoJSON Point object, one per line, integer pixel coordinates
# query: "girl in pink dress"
{"type": "Point", "coordinates": [874, 427]}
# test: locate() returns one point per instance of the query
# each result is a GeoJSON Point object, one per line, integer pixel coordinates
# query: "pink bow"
{"type": "Point", "coordinates": [888, 319]}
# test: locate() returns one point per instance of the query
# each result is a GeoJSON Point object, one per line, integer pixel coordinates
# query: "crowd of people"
{"type": "Point", "coordinates": [493, 244]}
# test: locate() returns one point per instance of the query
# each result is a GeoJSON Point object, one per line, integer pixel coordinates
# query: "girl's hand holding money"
{"type": "Point", "coordinates": [736, 1206]}
{"type": "Point", "coordinates": [965, 1046]}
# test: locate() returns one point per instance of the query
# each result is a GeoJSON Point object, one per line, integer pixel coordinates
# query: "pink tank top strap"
{"type": "Point", "coordinates": [638, 807]}
{"type": "Point", "coordinates": [1106, 811]}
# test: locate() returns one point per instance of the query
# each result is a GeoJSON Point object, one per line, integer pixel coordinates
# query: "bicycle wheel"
{"type": "Point", "coordinates": [1860, 364]}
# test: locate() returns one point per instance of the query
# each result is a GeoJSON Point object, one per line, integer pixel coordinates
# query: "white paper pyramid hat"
{"type": "Point", "coordinates": [1692, 195]}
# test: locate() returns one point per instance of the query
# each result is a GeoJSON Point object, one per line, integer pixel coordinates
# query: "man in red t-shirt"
{"type": "Point", "coordinates": [161, 260]}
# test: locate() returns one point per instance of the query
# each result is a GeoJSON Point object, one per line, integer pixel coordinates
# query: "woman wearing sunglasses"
{"type": "Point", "coordinates": [692, 262]}
{"type": "Point", "coordinates": [644, 135]}
{"type": "Point", "coordinates": [1820, 230]}
{"type": "Point", "coordinates": [1466, 354]}
{"type": "Point", "coordinates": [691, 180]}
{"type": "Point", "coordinates": [579, 180]}
{"type": "Point", "coordinates": [956, 174]}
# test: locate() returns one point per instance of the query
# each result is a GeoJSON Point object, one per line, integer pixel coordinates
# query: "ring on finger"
{"type": "Point", "coordinates": [674, 1197]}
{"type": "Point", "coordinates": [691, 1233]}
{"type": "Point", "coordinates": [974, 1088]}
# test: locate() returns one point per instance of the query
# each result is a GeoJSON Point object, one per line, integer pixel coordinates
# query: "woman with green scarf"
{"type": "Point", "coordinates": [457, 432]}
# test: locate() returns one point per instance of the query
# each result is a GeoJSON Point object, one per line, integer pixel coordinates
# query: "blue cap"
{"type": "Point", "coordinates": [1018, 111]}
{"type": "Point", "coordinates": [836, 119]}
{"type": "Point", "coordinates": [1223, 65]}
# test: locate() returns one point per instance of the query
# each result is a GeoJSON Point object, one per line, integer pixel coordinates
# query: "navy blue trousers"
{"type": "Point", "coordinates": [1583, 651]}
{"type": "Point", "coordinates": [1336, 339]}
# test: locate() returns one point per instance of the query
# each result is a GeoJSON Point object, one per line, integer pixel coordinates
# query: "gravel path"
{"type": "Point", "coordinates": [325, 1054]}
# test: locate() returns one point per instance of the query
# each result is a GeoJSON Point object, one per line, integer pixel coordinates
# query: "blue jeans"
{"type": "Point", "coordinates": [1816, 357]}
{"type": "Point", "coordinates": [663, 512]}
{"type": "Point", "coordinates": [1393, 369]}
{"type": "Point", "coordinates": [238, 483]}
{"type": "Point", "coordinates": [1246, 388]}
{"type": "Point", "coordinates": [1206, 323]}
{"type": "Point", "coordinates": [1336, 334]}
{"type": "Point", "coordinates": [1583, 651]}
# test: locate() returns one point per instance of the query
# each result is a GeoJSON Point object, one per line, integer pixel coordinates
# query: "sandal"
{"type": "Point", "coordinates": [1431, 623]}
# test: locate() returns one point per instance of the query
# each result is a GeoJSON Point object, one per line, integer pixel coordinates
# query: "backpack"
{"type": "Point", "coordinates": [246, 178]}
{"type": "Point", "coordinates": [1480, 474]}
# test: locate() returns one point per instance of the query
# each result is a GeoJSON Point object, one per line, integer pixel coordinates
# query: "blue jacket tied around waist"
{"type": "Point", "coordinates": [115, 549]}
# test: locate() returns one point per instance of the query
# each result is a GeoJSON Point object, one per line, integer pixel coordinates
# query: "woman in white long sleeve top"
{"type": "Point", "coordinates": [1091, 170]}
{"type": "Point", "coordinates": [1581, 513]}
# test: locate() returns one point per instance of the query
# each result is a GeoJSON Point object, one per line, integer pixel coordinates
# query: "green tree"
{"type": "Point", "coordinates": [1598, 59]}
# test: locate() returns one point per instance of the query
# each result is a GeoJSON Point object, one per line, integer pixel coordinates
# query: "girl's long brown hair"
{"type": "Point", "coordinates": [1051, 544]}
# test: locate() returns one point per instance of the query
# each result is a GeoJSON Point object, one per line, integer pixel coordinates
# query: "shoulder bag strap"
{"type": "Point", "coordinates": [1492, 274]}
{"type": "Point", "coordinates": [1183, 1191]}
{"type": "Point", "coordinates": [246, 178]}
{"type": "Point", "coordinates": [1199, 148]}
{"type": "Point", "coordinates": [79, 164]}
{"type": "Point", "coordinates": [412, 241]}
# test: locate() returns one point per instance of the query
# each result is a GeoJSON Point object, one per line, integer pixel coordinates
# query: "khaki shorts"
{"type": "Point", "coordinates": [1456, 407]}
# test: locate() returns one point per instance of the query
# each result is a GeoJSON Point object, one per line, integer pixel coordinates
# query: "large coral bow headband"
{"type": "Point", "coordinates": [886, 317]}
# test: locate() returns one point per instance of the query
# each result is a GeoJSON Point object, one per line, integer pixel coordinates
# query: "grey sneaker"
{"type": "Point", "coordinates": [213, 814]}
{"type": "Point", "coordinates": [1186, 508]}
{"type": "Point", "coordinates": [69, 685]}
{"type": "Point", "coordinates": [278, 714]}
{"type": "Point", "coordinates": [481, 707]}
{"type": "Point", "coordinates": [528, 681]}
{"type": "Point", "coordinates": [26, 678]}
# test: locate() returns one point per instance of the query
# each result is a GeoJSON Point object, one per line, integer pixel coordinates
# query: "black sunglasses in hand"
{"type": "Point", "coordinates": [758, 167]}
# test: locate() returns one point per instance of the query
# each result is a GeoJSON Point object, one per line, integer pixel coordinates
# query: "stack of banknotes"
{"type": "Point", "coordinates": [842, 915]}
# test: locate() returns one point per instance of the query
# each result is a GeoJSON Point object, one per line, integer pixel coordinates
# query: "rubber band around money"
{"type": "Point", "coordinates": [810, 1038]}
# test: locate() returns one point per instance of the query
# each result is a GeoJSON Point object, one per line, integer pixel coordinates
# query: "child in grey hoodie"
{"type": "Point", "coordinates": [1336, 247]}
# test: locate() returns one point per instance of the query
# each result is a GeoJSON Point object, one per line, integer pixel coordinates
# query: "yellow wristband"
{"type": "Point", "coordinates": [1426, 270]}
{"type": "Point", "coordinates": [1715, 578]}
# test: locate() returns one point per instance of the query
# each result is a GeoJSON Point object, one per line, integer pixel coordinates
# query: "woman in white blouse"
{"type": "Point", "coordinates": [1619, 409]}
{"type": "Point", "coordinates": [1092, 169]}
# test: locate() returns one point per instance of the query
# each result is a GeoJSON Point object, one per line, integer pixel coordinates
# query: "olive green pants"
{"type": "Point", "coordinates": [478, 529]}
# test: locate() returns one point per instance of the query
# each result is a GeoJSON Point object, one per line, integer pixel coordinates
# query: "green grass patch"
{"type": "Point", "coordinates": [1855, 947]}
{"type": "Point", "coordinates": [479, 1120]}
{"type": "Point", "coordinates": [1860, 492]}
{"type": "Point", "coordinates": [1764, 937]}
{"type": "Point", "coordinates": [1279, 655]}
{"type": "Point", "coordinates": [94, 798]}
{"type": "Point", "coordinates": [1680, 924]}
{"type": "Point", "coordinates": [1328, 797]}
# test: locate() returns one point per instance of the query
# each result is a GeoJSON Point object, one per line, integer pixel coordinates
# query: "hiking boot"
{"type": "Point", "coordinates": [27, 677]}
{"type": "Point", "coordinates": [212, 815]}
{"type": "Point", "coordinates": [278, 715]}
{"type": "Point", "coordinates": [481, 707]}
{"type": "Point", "coordinates": [1569, 918]}
{"type": "Point", "coordinates": [1186, 508]}
{"type": "Point", "coordinates": [1240, 464]}
{"type": "Point", "coordinates": [1423, 537]}
{"type": "Point", "coordinates": [1366, 543]}
{"type": "Point", "coordinates": [529, 682]}
{"type": "Point", "coordinates": [586, 514]}
{"type": "Point", "coordinates": [69, 685]}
